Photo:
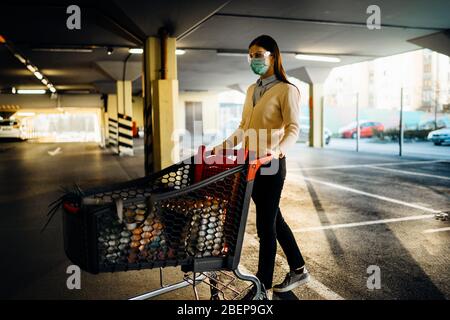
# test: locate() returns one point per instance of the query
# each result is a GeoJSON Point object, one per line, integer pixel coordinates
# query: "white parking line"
{"type": "Point", "coordinates": [313, 283]}
{"type": "Point", "coordinates": [364, 223]}
{"type": "Point", "coordinates": [410, 172]}
{"type": "Point", "coordinates": [322, 290]}
{"type": "Point", "coordinates": [341, 187]}
{"type": "Point", "coordinates": [436, 230]}
{"type": "Point", "coordinates": [350, 166]}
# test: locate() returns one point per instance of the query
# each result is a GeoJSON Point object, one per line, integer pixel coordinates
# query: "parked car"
{"type": "Point", "coordinates": [430, 125]}
{"type": "Point", "coordinates": [366, 129]}
{"type": "Point", "coordinates": [440, 136]}
{"type": "Point", "coordinates": [10, 128]}
{"type": "Point", "coordinates": [304, 134]}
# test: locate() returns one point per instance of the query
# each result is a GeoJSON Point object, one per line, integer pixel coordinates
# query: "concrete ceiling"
{"type": "Point", "coordinates": [202, 27]}
{"type": "Point", "coordinates": [317, 26]}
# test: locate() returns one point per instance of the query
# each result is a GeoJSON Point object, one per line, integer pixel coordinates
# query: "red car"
{"type": "Point", "coordinates": [366, 129]}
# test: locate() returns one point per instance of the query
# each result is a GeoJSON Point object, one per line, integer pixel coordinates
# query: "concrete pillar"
{"type": "Point", "coordinates": [316, 135]}
{"type": "Point", "coordinates": [125, 117]}
{"type": "Point", "coordinates": [315, 77]}
{"type": "Point", "coordinates": [161, 97]}
{"type": "Point", "coordinates": [120, 105]}
{"type": "Point", "coordinates": [104, 124]}
{"type": "Point", "coordinates": [113, 128]}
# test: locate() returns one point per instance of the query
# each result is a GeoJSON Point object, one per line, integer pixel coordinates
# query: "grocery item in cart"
{"type": "Point", "coordinates": [207, 217]}
{"type": "Point", "coordinates": [139, 237]}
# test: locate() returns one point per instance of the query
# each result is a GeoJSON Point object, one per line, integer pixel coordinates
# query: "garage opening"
{"type": "Point", "coordinates": [67, 126]}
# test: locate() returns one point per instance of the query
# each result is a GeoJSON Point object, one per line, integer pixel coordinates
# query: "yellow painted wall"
{"type": "Point", "coordinates": [138, 110]}
{"type": "Point", "coordinates": [210, 104]}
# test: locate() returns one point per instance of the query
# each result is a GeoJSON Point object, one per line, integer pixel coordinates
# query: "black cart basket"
{"type": "Point", "coordinates": [191, 214]}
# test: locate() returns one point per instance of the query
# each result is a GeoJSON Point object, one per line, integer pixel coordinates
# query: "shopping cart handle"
{"type": "Point", "coordinates": [267, 158]}
{"type": "Point", "coordinates": [203, 154]}
{"type": "Point", "coordinates": [256, 164]}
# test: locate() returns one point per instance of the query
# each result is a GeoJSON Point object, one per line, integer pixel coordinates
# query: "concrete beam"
{"type": "Point", "coordinates": [44, 101]}
{"type": "Point", "coordinates": [315, 77]}
{"type": "Point", "coordinates": [310, 75]}
{"type": "Point", "coordinates": [439, 42]}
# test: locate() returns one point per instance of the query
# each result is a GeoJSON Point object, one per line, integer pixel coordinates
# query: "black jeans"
{"type": "Point", "coordinates": [270, 223]}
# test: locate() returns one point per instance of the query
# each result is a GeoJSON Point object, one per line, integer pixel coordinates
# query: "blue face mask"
{"type": "Point", "coordinates": [259, 66]}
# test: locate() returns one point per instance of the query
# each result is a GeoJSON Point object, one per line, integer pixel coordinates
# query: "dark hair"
{"type": "Point", "coordinates": [269, 43]}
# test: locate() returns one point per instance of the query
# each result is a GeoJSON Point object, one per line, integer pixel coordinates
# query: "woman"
{"type": "Point", "coordinates": [271, 109]}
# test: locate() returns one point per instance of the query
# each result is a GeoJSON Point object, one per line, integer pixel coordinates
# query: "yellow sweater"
{"type": "Point", "coordinates": [272, 125]}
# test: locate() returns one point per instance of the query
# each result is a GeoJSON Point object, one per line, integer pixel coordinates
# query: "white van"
{"type": "Point", "coordinates": [10, 128]}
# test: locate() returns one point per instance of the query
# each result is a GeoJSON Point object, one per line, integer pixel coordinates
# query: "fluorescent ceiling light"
{"type": "Point", "coordinates": [20, 58]}
{"type": "Point", "coordinates": [31, 68]}
{"type": "Point", "coordinates": [44, 81]}
{"type": "Point", "coordinates": [38, 75]}
{"type": "Point", "coordinates": [30, 91]}
{"type": "Point", "coordinates": [25, 114]}
{"type": "Point", "coordinates": [76, 50]}
{"type": "Point", "coordinates": [13, 90]}
{"type": "Point", "coordinates": [136, 50]}
{"type": "Point", "coordinates": [180, 52]}
{"type": "Point", "coordinates": [231, 53]}
{"type": "Point", "coordinates": [52, 89]}
{"type": "Point", "coordinates": [311, 57]}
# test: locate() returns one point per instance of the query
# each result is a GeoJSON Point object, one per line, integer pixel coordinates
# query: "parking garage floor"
{"type": "Point", "coordinates": [348, 211]}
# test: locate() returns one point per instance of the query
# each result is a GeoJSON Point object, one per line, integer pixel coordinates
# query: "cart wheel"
{"type": "Point", "coordinates": [259, 296]}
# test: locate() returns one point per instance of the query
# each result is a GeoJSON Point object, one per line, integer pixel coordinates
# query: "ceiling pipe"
{"type": "Point", "coordinates": [125, 66]}
{"type": "Point", "coordinates": [163, 36]}
{"type": "Point", "coordinates": [50, 48]}
{"type": "Point", "coordinates": [324, 22]}
{"type": "Point", "coordinates": [198, 24]}
{"type": "Point", "coordinates": [124, 77]}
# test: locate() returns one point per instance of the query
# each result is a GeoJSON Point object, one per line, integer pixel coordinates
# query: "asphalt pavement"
{"type": "Point", "coordinates": [351, 213]}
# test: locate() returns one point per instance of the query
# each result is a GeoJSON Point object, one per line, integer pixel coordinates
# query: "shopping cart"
{"type": "Point", "coordinates": [191, 214]}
